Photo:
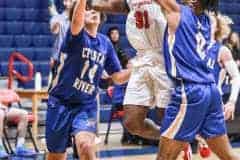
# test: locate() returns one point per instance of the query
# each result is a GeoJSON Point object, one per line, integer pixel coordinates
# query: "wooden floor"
{"type": "Point", "coordinates": [128, 152]}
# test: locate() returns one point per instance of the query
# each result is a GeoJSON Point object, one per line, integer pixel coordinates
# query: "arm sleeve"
{"type": "Point", "coordinates": [232, 69]}
{"type": "Point", "coordinates": [112, 63]}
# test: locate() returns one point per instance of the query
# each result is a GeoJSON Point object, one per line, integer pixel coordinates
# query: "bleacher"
{"type": "Point", "coordinates": [231, 8]}
{"type": "Point", "coordinates": [24, 28]}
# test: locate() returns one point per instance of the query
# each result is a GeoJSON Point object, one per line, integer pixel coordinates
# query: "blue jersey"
{"type": "Point", "coordinates": [185, 51]}
{"type": "Point", "coordinates": [215, 67]}
{"type": "Point", "coordinates": [212, 60]}
{"type": "Point", "coordinates": [82, 61]}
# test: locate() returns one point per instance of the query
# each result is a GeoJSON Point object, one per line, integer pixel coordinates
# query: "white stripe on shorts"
{"type": "Point", "coordinates": [177, 123]}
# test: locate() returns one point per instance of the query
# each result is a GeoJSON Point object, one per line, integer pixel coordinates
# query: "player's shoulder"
{"type": "Point", "coordinates": [103, 38]}
{"type": "Point", "coordinates": [186, 11]}
{"type": "Point", "coordinates": [187, 15]}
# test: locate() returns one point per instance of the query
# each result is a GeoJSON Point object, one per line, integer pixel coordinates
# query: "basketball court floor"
{"type": "Point", "coordinates": [114, 150]}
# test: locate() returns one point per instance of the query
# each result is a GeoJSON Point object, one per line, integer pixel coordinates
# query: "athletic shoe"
{"type": "Point", "coordinates": [24, 152]}
{"type": "Point", "coordinates": [3, 153]}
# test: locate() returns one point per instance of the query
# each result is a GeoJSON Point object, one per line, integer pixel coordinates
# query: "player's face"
{"type": "Point", "coordinates": [234, 38]}
{"type": "Point", "coordinates": [114, 35]}
{"type": "Point", "coordinates": [68, 3]}
{"type": "Point", "coordinates": [92, 17]}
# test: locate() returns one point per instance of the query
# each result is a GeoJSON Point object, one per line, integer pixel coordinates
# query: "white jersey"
{"type": "Point", "coordinates": [145, 27]}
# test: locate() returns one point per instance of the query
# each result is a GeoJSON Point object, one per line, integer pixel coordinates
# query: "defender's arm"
{"type": "Point", "coordinates": [171, 10]}
{"type": "Point", "coordinates": [109, 6]}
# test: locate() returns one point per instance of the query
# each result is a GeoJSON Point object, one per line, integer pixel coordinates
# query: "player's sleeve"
{"type": "Point", "coordinates": [72, 41]}
{"type": "Point", "coordinates": [112, 63]}
{"type": "Point", "coordinates": [55, 20]}
{"type": "Point", "coordinates": [77, 39]}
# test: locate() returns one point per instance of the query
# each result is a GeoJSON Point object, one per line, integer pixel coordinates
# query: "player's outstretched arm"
{"type": "Point", "coordinates": [121, 77]}
{"type": "Point", "coordinates": [171, 10]}
{"type": "Point", "coordinates": [109, 6]}
{"type": "Point", "coordinates": [231, 67]}
{"type": "Point", "coordinates": [169, 6]}
{"type": "Point", "coordinates": [77, 23]}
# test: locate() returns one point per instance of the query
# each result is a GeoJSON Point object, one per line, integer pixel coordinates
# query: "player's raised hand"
{"type": "Point", "coordinates": [229, 110]}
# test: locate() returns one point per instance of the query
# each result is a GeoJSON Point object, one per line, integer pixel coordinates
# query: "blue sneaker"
{"type": "Point", "coordinates": [3, 153]}
{"type": "Point", "coordinates": [24, 152]}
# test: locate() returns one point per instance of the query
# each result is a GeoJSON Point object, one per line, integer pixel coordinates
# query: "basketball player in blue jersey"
{"type": "Point", "coordinates": [196, 104]}
{"type": "Point", "coordinates": [220, 61]}
{"type": "Point", "coordinates": [72, 106]}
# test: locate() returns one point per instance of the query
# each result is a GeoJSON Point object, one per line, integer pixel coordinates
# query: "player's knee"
{"type": "Point", "coordinates": [23, 114]}
{"type": "Point", "coordinates": [85, 144]}
{"type": "Point", "coordinates": [54, 156]}
{"type": "Point", "coordinates": [132, 125]}
{"type": "Point", "coordinates": [85, 147]}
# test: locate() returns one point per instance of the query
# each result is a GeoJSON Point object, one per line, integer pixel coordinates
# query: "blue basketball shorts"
{"type": "Point", "coordinates": [194, 109]}
{"type": "Point", "coordinates": [65, 121]}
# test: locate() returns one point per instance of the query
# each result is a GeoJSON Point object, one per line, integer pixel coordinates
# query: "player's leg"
{"type": "Point", "coordinates": [22, 117]}
{"type": "Point", "coordinates": [85, 142]}
{"type": "Point", "coordinates": [84, 131]}
{"type": "Point", "coordinates": [183, 118]}
{"type": "Point", "coordinates": [214, 130]}
{"type": "Point", "coordinates": [58, 127]}
{"type": "Point", "coordinates": [3, 153]}
{"type": "Point", "coordinates": [221, 147]}
{"type": "Point", "coordinates": [20, 114]}
{"type": "Point", "coordinates": [138, 99]}
{"type": "Point", "coordinates": [170, 149]}
{"type": "Point", "coordinates": [58, 156]}
{"type": "Point", "coordinates": [136, 123]}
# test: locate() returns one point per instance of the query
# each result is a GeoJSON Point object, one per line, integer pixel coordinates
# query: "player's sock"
{"type": "Point", "coordinates": [188, 153]}
{"type": "Point", "coordinates": [20, 142]}
{"type": "Point", "coordinates": [204, 151]}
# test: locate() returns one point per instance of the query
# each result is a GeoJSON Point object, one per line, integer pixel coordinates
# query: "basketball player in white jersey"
{"type": "Point", "coordinates": [149, 85]}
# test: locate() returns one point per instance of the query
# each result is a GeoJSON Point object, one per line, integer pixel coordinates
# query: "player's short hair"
{"type": "Point", "coordinates": [223, 26]}
{"type": "Point", "coordinates": [211, 5]}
